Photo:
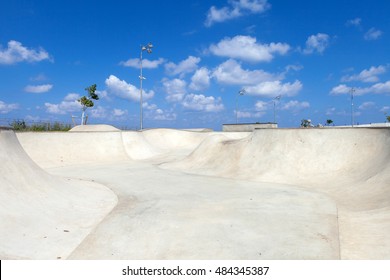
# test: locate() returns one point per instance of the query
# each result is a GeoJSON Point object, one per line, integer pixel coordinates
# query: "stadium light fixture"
{"type": "Point", "coordinates": [148, 49]}
{"type": "Point", "coordinates": [241, 92]}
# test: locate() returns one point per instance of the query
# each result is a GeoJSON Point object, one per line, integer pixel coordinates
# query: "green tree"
{"type": "Point", "coordinates": [86, 101]}
{"type": "Point", "coordinates": [388, 118]}
{"type": "Point", "coordinates": [329, 122]}
{"type": "Point", "coordinates": [306, 123]}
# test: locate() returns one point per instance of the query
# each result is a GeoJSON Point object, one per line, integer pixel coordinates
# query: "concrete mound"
{"type": "Point", "coordinates": [351, 165]}
{"type": "Point", "coordinates": [94, 127]}
{"type": "Point", "coordinates": [44, 216]}
{"type": "Point", "coordinates": [309, 157]}
{"type": "Point", "coordinates": [50, 149]}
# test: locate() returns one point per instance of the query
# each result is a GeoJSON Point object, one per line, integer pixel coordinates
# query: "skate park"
{"type": "Point", "coordinates": [279, 194]}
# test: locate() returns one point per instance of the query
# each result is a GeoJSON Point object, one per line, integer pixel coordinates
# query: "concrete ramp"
{"type": "Point", "coordinates": [44, 216]}
{"type": "Point", "coordinates": [284, 193]}
{"type": "Point", "coordinates": [50, 149]}
{"type": "Point", "coordinates": [351, 165]}
{"type": "Point", "coordinates": [316, 158]}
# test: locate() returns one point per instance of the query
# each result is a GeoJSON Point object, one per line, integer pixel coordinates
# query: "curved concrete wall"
{"type": "Point", "coordinates": [44, 216]}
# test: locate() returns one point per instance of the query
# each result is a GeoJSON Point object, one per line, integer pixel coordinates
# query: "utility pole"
{"type": "Point", "coordinates": [352, 91]}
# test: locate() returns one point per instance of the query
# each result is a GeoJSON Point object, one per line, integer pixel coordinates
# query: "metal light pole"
{"type": "Point", "coordinates": [277, 98]}
{"type": "Point", "coordinates": [352, 109]}
{"type": "Point", "coordinates": [147, 48]}
{"type": "Point", "coordinates": [241, 92]}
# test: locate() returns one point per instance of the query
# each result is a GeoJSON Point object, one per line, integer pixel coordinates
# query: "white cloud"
{"type": "Point", "coordinates": [161, 115]}
{"type": "Point", "coordinates": [39, 78]}
{"type": "Point", "coordinates": [68, 105]}
{"type": "Point", "coordinates": [199, 102]}
{"type": "Point", "coordinates": [122, 89]}
{"type": "Point", "coordinates": [146, 63]}
{"type": "Point", "coordinates": [247, 115]}
{"type": "Point", "coordinates": [367, 75]}
{"type": "Point", "coordinates": [295, 106]}
{"type": "Point", "coordinates": [271, 89]}
{"type": "Point", "coordinates": [16, 52]}
{"type": "Point", "coordinates": [366, 105]}
{"type": "Point", "coordinates": [72, 97]}
{"type": "Point", "coordinates": [372, 34]}
{"type": "Point", "coordinates": [330, 111]}
{"type": "Point", "coordinates": [98, 112]}
{"type": "Point", "coordinates": [119, 112]}
{"type": "Point", "coordinates": [385, 109]}
{"type": "Point", "coordinates": [262, 106]}
{"type": "Point", "coordinates": [246, 48]}
{"type": "Point", "coordinates": [185, 66]}
{"type": "Point", "coordinates": [175, 89]}
{"type": "Point", "coordinates": [340, 89]}
{"type": "Point", "coordinates": [155, 113]}
{"type": "Point", "coordinates": [354, 22]}
{"type": "Point", "coordinates": [378, 88]}
{"type": "Point", "coordinates": [201, 79]}
{"type": "Point", "coordinates": [230, 72]}
{"type": "Point", "coordinates": [316, 43]}
{"type": "Point", "coordinates": [6, 108]}
{"type": "Point", "coordinates": [38, 89]}
{"type": "Point", "coordinates": [236, 9]}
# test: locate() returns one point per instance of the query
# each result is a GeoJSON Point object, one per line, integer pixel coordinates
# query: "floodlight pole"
{"type": "Point", "coordinates": [276, 98]}
{"type": "Point", "coordinates": [147, 48]}
{"type": "Point", "coordinates": [352, 109]}
{"type": "Point", "coordinates": [241, 92]}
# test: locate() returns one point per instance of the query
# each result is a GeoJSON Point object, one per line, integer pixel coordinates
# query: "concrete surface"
{"type": "Point", "coordinates": [174, 194]}
{"type": "Point", "coordinates": [247, 127]}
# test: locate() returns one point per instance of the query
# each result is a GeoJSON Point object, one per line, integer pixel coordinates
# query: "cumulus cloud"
{"type": "Point", "coordinates": [246, 48]}
{"type": "Point", "coordinates": [188, 65]}
{"type": "Point", "coordinates": [38, 88]}
{"type": "Point", "coordinates": [200, 80]}
{"type": "Point", "coordinates": [175, 89]}
{"type": "Point", "coordinates": [385, 109]}
{"type": "Point", "coordinates": [367, 105]}
{"type": "Point", "coordinates": [155, 113]}
{"type": "Point", "coordinates": [235, 9]}
{"type": "Point", "coordinates": [122, 89]}
{"type": "Point", "coordinates": [230, 72]}
{"type": "Point", "coordinates": [247, 114]}
{"type": "Point", "coordinates": [16, 52]}
{"type": "Point", "coordinates": [378, 88]}
{"type": "Point", "coordinates": [367, 75]}
{"type": "Point", "coordinates": [262, 106]}
{"type": "Point", "coordinates": [119, 112]}
{"type": "Point", "coordinates": [6, 108]}
{"type": "Point", "coordinates": [295, 106]}
{"type": "Point", "coordinates": [373, 34]}
{"type": "Point", "coordinates": [316, 43]}
{"type": "Point", "coordinates": [199, 102]}
{"type": "Point", "coordinates": [68, 105]}
{"type": "Point", "coordinates": [271, 89]}
{"type": "Point", "coordinates": [99, 112]}
{"type": "Point", "coordinates": [146, 63]}
{"type": "Point", "coordinates": [354, 22]}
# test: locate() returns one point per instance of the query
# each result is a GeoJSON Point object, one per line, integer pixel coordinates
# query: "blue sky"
{"type": "Point", "coordinates": [311, 53]}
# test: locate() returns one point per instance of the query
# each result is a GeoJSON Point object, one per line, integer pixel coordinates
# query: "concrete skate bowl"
{"type": "Point", "coordinates": [171, 194]}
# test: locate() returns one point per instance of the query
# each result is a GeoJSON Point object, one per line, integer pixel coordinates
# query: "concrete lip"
{"type": "Point", "coordinates": [173, 194]}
